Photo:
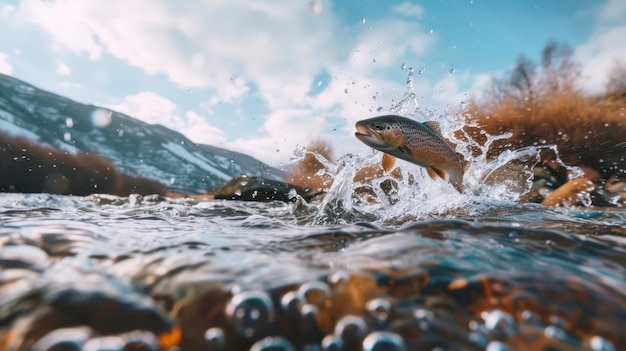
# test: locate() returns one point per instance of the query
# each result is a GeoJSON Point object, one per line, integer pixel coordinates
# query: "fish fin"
{"type": "Point", "coordinates": [431, 173]}
{"type": "Point", "coordinates": [434, 126]}
{"type": "Point", "coordinates": [466, 165]}
{"type": "Point", "coordinates": [441, 173]}
{"type": "Point", "coordinates": [387, 162]}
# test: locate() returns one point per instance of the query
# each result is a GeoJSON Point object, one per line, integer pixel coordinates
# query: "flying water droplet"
{"type": "Point", "coordinates": [345, 90]}
{"type": "Point", "coordinates": [67, 136]}
{"type": "Point", "coordinates": [69, 122]}
{"type": "Point", "coordinates": [364, 20]}
{"type": "Point", "coordinates": [100, 118]}
{"type": "Point", "coordinates": [430, 31]}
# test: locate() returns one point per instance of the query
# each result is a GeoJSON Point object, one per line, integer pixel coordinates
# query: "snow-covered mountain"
{"type": "Point", "coordinates": [135, 147]}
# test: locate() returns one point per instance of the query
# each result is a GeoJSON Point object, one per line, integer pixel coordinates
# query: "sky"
{"type": "Point", "coordinates": [264, 76]}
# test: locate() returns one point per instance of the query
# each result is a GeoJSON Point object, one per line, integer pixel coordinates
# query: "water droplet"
{"type": "Point", "coordinates": [69, 122]}
{"type": "Point", "coordinates": [380, 309]}
{"type": "Point", "coordinates": [452, 70]}
{"type": "Point", "coordinates": [351, 328]}
{"type": "Point", "coordinates": [332, 342]}
{"type": "Point", "coordinates": [315, 6]}
{"type": "Point", "coordinates": [430, 31]}
{"type": "Point", "coordinates": [67, 136]}
{"type": "Point", "coordinates": [215, 338]}
{"type": "Point", "coordinates": [345, 90]}
{"type": "Point", "coordinates": [421, 70]}
{"type": "Point", "coordinates": [319, 83]}
{"type": "Point", "coordinates": [250, 312]}
{"type": "Point", "coordinates": [364, 20]}
{"type": "Point", "coordinates": [314, 292]}
{"type": "Point", "coordinates": [101, 118]}
{"type": "Point", "coordinates": [383, 341]}
{"type": "Point", "coordinates": [403, 67]}
{"type": "Point", "coordinates": [272, 343]}
{"type": "Point", "coordinates": [188, 91]}
{"type": "Point", "coordinates": [277, 150]}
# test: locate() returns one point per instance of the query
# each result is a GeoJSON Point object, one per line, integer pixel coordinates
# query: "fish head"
{"type": "Point", "coordinates": [381, 133]}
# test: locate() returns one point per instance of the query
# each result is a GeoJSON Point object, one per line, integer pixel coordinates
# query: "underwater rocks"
{"type": "Point", "coordinates": [261, 189]}
{"type": "Point", "coordinates": [552, 188]}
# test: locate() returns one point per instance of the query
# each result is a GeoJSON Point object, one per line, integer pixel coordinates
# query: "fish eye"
{"type": "Point", "coordinates": [378, 126]}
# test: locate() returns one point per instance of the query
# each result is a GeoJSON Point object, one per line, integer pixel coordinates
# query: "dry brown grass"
{"type": "Point", "coordinates": [26, 167]}
{"type": "Point", "coordinates": [587, 131]}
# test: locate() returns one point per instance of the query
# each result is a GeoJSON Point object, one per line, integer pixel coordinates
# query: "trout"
{"type": "Point", "coordinates": [419, 143]}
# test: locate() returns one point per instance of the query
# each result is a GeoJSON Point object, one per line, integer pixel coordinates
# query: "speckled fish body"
{"type": "Point", "coordinates": [415, 142]}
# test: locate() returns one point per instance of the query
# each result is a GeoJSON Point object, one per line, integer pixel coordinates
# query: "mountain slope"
{"type": "Point", "coordinates": [134, 147]}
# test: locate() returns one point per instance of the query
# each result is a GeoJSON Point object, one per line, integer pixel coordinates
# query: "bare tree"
{"type": "Point", "coordinates": [560, 71]}
{"type": "Point", "coordinates": [523, 81]}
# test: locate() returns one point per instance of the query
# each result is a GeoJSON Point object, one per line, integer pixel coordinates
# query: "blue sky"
{"type": "Point", "coordinates": [261, 76]}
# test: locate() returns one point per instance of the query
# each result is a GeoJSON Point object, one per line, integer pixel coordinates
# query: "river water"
{"type": "Point", "coordinates": [424, 268]}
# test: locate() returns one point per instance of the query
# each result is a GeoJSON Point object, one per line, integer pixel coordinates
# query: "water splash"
{"type": "Point", "coordinates": [408, 193]}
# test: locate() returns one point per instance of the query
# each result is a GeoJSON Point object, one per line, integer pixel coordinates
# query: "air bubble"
{"type": "Point", "coordinates": [452, 70]}
{"type": "Point", "coordinates": [599, 343]}
{"type": "Point", "coordinates": [104, 343]}
{"type": "Point", "coordinates": [250, 312]}
{"type": "Point", "coordinates": [272, 343]}
{"type": "Point", "coordinates": [63, 339]}
{"type": "Point", "coordinates": [497, 346]}
{"type": "Point", "coordinates": [383, 341]}
{"type": "Point", "coordinates": [351, 328]}
{"type": "Point", "coordinates": [499, 323]}
{"type": "Point", "coordinates": [314, 292]}
{"type": "Point", "coordinates": [338, 279]}
{"type": "Point", "coordinates": [332, 343]}
{"type": "Point", "coordinates": [215, 338]}
{"type": "Point", "coordinates": [380, 309]}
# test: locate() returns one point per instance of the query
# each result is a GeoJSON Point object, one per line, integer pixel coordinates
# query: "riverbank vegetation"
{"type": "Point", "coordinates": [543, 103]}
{"type": "Point", "coordinates": [28, 167]}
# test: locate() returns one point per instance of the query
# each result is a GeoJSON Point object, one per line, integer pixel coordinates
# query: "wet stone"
{"type": "Point", "coordinates": [261, 189]}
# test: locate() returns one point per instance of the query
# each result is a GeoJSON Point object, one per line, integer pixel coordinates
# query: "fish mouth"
{"type": "Point", "coordinates": [368, 136]}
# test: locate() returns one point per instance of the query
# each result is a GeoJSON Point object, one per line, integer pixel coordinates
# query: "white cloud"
{"type": "Point", "coordinates": [5, 66]}
{"type": "Point", "coordinates": [6, 11]}
{"type": "Point", "coordinates": [62, 69]}
{"type": "Point", "coordinates": [276, 54]}
{"type": "Point", "coordinates": [283, 129]}
{"type": "Point", "coordinates": [598, 55]}
{"type": "Point", "coordinates": [69, 85]}
{"type": "Point", "coordinates": [614, 10]}
{"type": "Point", "coordinates": [409, 9]}
{"type": "Point", "coordinates": [153, 108]}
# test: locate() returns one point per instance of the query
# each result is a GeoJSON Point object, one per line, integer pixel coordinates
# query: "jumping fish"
{"type": "Point", "coordinates": [415, 142]}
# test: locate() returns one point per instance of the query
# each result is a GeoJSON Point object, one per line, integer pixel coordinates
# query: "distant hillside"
{"type": "Point", "coordinates": [134, 147]}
